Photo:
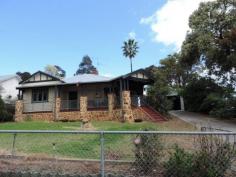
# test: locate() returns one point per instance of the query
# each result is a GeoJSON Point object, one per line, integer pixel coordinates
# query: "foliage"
{"type": "Point", "coordinates": [86, 66]}
{"type": "Point", "coordinates": [55, 70]}
{"type": "Point", "coordinates": [170, 78]}
{"type": "Point", "coordinates": [180, 164]}
{"type": "Point", "coordinates": [226, 108]}
{"type": "Point", "coordinates": [212, 39]}
{"type": "Point", "coordinates": [214, 156]}
{"type": "Point", "coordinates": [23, 75]}
{"type": "Point", "coordinates": [147, 153]}
{"type": "Point", "coordinates": [204, 95]}
{"type": "Point", "coordinates": [130, 50]}
{"type": "Point", "coordinates": [212, 159]}
{"type": "Point", "coordinates": [4, 114]}
{"type": "Point", "coordinates": [198, 95]}
{"type": "Point", "coordinates": [157, 96]}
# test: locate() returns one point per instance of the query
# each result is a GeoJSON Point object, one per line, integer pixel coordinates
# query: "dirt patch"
{"type": "Point", "coordinates": [48, 165]}
{"type": "Point", "coordinates": [175, 124]}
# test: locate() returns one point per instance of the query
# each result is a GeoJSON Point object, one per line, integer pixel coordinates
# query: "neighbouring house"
{"type": "Point", "coordinates": [8, 84]}
{"type": "Point", "coordinates": [86, 96]}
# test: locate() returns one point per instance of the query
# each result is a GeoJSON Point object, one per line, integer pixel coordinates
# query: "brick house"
{"type": "Point", "coordinates": [94, 97]}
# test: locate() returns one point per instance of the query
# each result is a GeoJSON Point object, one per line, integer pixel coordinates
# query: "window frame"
{"type": "Point", "coordinates": [40, 91]}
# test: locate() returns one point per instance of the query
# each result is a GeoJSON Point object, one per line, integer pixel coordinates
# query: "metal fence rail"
{"type": "Point", "coordinates": [119, 153]}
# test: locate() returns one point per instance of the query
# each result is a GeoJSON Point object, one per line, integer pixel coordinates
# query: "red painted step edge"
{"type": "Point", "coordinates": [153, 114]}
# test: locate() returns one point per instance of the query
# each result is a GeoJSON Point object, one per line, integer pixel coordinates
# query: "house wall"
{"type": "Point", "coordinates": [29, 106]}
{"type": "Point", "coordinates": [110, 113]}
{"type": "Point", "coordinates": [9, 88]}
{"type": "Point", "coordinates": [90, 91]}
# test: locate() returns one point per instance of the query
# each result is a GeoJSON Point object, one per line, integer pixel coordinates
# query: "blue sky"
{"type": "Point", "coordinates": [40, 32]}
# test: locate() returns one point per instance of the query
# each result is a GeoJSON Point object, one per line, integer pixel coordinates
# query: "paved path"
{"type": "Point", "coordinates": [201, 120]}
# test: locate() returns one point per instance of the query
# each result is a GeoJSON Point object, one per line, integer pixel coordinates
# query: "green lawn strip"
{"type": "Point", "coordinates": [117, 126]}
{"type": "Point", "coordinates": [72, 145]}
{"type": "Point", "coordinates": [38, 125]}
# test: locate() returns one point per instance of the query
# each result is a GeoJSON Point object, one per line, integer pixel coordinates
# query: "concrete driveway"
{"type": "Point", "coordinates": [201, 120]}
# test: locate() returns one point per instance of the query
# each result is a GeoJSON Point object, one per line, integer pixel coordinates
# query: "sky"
{"type": "Point", "coordinates": [36, 33]}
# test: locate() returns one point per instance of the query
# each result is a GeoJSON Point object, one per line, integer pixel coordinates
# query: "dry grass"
{"type": "Point", "coordinates": [175, 124]}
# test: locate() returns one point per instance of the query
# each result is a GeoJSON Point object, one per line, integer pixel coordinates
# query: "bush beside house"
{"type": "Point", "coordinates": [5, 115]}
{"type": "Point", "coordinates": [204, 95]}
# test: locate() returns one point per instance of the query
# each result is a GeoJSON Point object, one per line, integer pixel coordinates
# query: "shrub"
{"type": "Point", "coordinates": [227, 110]}
{"type": "Point", "coordinates": [204, 95]}
{"type": "Point", "coordinates": [4, 114]}
{"type": "Point", "coordinates": [198, 91]}
{"type": "Point", "coordinates": [180, 164]}
{"type": "Point", "coordinates": [212, 159]}
{"type": "Point", "coordinates": [148, 149]}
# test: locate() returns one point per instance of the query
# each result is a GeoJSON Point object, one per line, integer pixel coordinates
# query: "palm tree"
{"type": "Point", "coordinates": [130, 49]}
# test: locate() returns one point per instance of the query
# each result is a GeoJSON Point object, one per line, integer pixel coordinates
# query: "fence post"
{"type": "Point", "coordinates": [102, 160]}
{"type": "Point", "coordinates": [13, 144]}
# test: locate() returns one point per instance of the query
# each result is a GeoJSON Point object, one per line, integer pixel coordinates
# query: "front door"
{"type": "Point", "coordinates": [73, 102]}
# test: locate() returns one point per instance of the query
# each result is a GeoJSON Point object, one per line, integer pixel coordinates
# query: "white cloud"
{"type": "Point", "coordinates": [170, 22]}
{"type": "Point", "coordinates": [132, 35]}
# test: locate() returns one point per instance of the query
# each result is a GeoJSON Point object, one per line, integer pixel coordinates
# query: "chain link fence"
{"type": "Point", "coordinates": [115, 153]}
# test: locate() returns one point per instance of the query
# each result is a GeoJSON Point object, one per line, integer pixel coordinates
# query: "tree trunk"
{"type": "Point", "coordinates": [131, 65]}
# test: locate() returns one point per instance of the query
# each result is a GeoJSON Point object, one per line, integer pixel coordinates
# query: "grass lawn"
{"type": "Point", "coordinates": [78, 146]}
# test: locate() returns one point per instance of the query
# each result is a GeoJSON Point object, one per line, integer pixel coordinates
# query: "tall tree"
{"type": "Point", "coordinates": [212, 39]}
{"type": "Point", "coordinates": [130, 50]}
{"type": "Point", "coordinates": [170, 78]}
{"type": "Point", "coordinates": [55, 71]}
{"type": "Point", "coordinates": [23, 75]}
{"type": "Point", "coordinates": [86, 66]}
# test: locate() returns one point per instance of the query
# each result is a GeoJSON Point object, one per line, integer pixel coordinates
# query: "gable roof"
{"type": "Point", "coordinates": [44, 73]}
{"type": "Point", "coordinates": [134, 72]}
{"type": "Point", "coordinates": [79, 79]}
{"type": "Point", "coordinates": [8, 77]}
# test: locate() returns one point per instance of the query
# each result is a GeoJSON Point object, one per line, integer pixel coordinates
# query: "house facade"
{"type": "Point", "coordinates": [8, 84]}
{"type": "Point", "coordinates": [87, 96]}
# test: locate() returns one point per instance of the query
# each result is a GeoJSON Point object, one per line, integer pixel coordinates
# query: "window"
{"type": "Point", "coordinates": [40, 95]}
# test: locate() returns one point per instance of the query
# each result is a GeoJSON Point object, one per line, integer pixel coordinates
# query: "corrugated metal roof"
{"type": "Point", "coordinates": [6, 77]}
{"type": "Point", "coordinates": [39, 84]}
{"type": "Point", "coordinates": [87, 78]}
{"type": "Point", "coordinates": [78, 79]}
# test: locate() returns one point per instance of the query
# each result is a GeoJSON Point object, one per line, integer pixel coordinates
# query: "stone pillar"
{"type": "Point", "coordinates": [57, 108]}
{"type": "Point", "coordinates": [83, 108]}
{"type": "Point", "coordinates": [111, 103]}
{"type": "Point", "coordinates": [126, 107]}
{"type": "Point", "coordinates": [19, 110]}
